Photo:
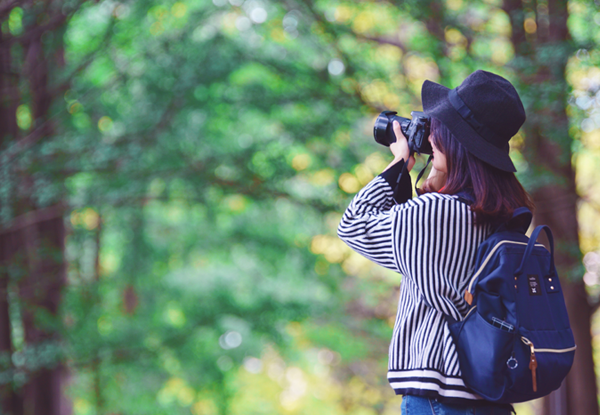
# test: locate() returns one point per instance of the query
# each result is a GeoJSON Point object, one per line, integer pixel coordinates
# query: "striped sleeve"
{"type": "Point", "coordinates": [366, 225]}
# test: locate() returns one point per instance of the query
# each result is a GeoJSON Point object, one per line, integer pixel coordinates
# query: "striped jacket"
{"type": "Point", "coordinates": [431, 241]}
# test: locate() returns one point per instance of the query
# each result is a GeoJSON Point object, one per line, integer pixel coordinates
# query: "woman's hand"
{"type": "Point", "coordinates": [400, 148]}
{"type": "Point", "coordinates": [436, 180]}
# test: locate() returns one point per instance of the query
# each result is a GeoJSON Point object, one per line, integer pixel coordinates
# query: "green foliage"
{"type": "Point", "coordinates": [211, 146]}
{"type": "Point", "coordinates": [207, 150]}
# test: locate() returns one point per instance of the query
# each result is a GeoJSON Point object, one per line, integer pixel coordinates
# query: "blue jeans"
{"type": "Point", "coordinates": [416, 405]}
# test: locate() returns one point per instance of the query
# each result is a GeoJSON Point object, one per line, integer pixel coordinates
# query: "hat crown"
{"type": "Point", "coordinates": [482, 113]}
{"type": "Point", "coordinates": [495, 104]}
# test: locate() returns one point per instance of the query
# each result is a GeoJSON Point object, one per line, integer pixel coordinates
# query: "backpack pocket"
{"type": "Point", "coordinates": [483, 351]}
{"type": "Point", "coordinates": [548, 356]}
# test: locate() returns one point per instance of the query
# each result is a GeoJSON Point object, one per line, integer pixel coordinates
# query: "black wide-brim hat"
{"type": "Point", "coordinates": [483, 113]}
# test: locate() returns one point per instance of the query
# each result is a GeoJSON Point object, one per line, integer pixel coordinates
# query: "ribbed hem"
{"type": "Point", "coordinates": [432, 384]}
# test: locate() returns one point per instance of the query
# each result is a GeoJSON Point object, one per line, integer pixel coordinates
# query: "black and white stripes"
{"type": "Point", "coordinates": [432, 242]}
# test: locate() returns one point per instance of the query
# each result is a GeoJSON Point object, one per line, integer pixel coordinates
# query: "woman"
{"type": "Point", "coordinates": [432, 239]}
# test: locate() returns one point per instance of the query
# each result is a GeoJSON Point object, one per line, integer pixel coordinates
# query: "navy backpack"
{"type": "Point", "coordinates": [515, 343]}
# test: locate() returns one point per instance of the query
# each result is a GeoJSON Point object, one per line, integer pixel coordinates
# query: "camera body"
{"type": "Point", "coordinates": [416, 130]}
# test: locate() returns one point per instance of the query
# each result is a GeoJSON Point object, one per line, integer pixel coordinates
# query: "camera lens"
{"type": "Point", "coordinates": [380, 129]}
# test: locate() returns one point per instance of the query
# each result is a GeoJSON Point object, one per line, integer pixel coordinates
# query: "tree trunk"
{"type": "Point", "coordinates": [548, 150]}
{"type": "Point", "coordinates": [10, 401]}
{"type": "Point", "coordinates": [32, 238]}
{"type": "Point", "coordinates": [43, 241]}
{"type": "Point", "coordinates": [40, 293]}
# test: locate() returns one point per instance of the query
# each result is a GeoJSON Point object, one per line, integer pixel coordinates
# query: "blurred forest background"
{"type": "Point", "coordinates": [172, 174]}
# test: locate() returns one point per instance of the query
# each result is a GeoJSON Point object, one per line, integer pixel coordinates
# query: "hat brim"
{"type": "Point", "coordinates": [437, 105]}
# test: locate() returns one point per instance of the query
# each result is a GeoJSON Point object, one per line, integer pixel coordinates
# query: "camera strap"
{"type": "Point", "coordinates": [421, 173]}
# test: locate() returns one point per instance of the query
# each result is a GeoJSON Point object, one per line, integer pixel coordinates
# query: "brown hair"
{"type": "Point", "coordinates": [496, 193]}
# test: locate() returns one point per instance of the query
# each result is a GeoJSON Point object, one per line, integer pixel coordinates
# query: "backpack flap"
{"type": "Point", "coordinates": [519, 222]}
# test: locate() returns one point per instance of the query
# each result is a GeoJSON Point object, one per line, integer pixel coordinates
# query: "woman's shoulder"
{"type": "Point", "coordinates": [435, 198]}
{"type": "Point", "coordinates": [430, 202]}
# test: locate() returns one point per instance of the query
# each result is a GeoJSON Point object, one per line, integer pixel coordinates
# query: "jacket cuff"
{"type": "Point", "coordinates": [399, 180]}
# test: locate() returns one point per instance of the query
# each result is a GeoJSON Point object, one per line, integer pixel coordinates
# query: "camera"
{"type": "Point", "coordinates": [416, 130]}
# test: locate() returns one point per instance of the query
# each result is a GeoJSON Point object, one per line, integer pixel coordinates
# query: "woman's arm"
{"type": "Point", "coordinates": [366, 225]}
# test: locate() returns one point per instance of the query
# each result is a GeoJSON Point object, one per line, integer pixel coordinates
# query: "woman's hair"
{"type": "Point", "coordinates": [497, 193]}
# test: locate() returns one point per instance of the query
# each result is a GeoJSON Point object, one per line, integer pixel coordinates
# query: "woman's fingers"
{"type": "Point", "coordinates": [397, 129]}
{"type": "Point", "coordinates": [399, 148]}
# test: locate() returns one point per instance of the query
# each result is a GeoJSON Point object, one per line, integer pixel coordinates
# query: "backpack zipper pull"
{"type": "Point", "coordinates": [532, 363]}
{"type": "Point", "coordinates": [533, 367]}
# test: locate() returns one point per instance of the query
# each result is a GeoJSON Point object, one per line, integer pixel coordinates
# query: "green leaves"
{"type": "Point", "coordinates": [208, 150]}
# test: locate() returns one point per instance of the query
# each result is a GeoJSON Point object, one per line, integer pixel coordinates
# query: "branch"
{"type": "Point", "coordinates": [38, 133]}
{"type": "Point", "coordinates": [330, 29]}
{"type": "Point", "coordinates": [37, 31]}
{"type": "Point", "coordinates": [384, 41]}
{"type": "Point", "coordinates": [33, 217]}
{"type": "Point", "coordinates": [25, 143]}
{"type": "Point", "coordinates": [90, 58]}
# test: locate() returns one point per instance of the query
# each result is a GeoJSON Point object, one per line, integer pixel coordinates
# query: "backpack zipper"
{"type": "Point", "coordinates": [470, 311]}
{"type": "Point", "coordinates": [469, 291]}
{"type": "Point", "coordinates": [533, 360]}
